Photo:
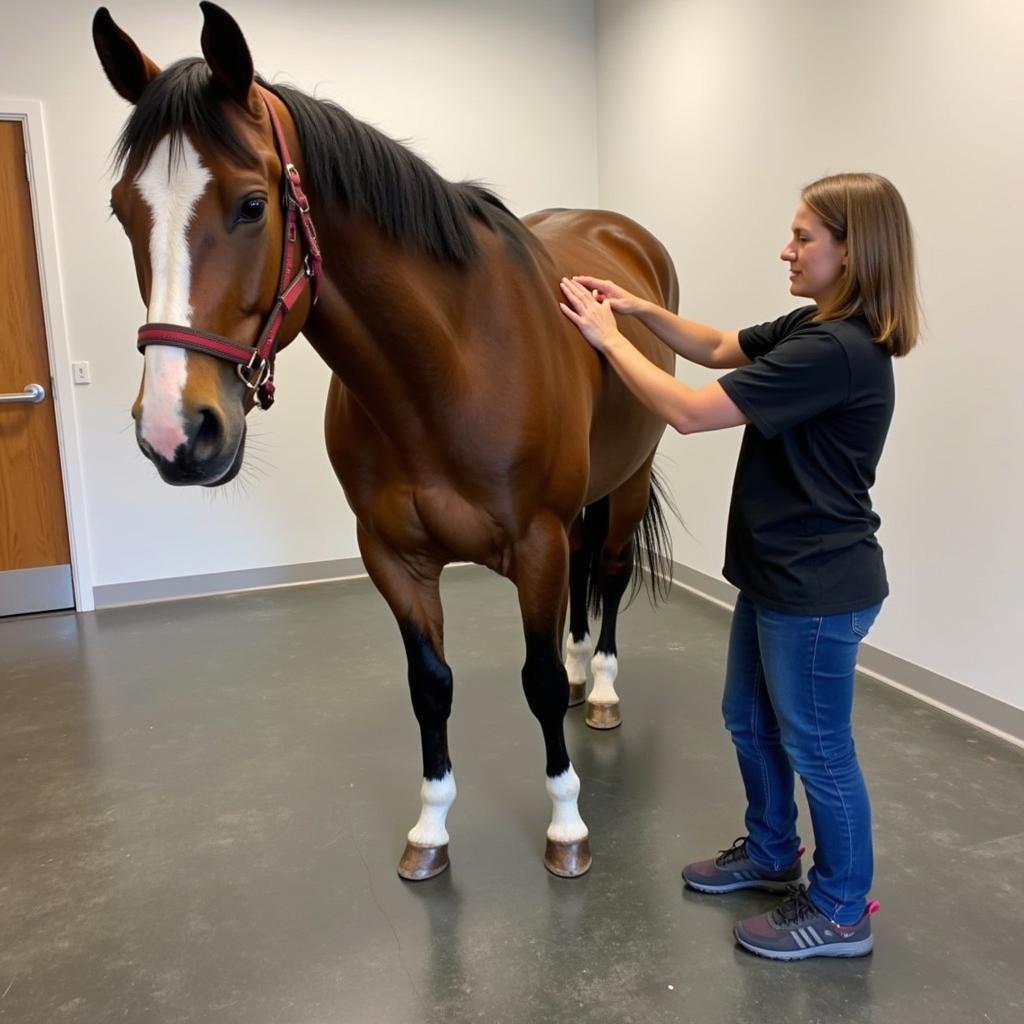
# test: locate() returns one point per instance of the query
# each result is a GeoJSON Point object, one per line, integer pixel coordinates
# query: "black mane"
{"type": "Point", "coordinates": [347, 161]}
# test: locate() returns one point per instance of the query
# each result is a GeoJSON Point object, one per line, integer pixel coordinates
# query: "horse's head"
{"type": "Point", "coordinates": [200, 198]}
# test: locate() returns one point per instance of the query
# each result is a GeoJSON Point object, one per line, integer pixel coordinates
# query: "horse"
{"type": "Point", "coordinates": [466, 419]}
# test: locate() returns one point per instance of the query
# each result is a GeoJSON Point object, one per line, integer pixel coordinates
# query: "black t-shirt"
{"type": "Point", "coordinates": [819, 397]}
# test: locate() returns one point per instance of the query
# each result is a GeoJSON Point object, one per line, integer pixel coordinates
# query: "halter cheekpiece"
{"type": "Point", "coordinates": [255, 365]}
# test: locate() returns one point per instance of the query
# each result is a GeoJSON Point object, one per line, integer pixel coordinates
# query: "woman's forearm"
{"type": "Point", "coordinates": [684, 408]}
{"type": "Point", "coordinates": [688, 410]}
{"type": "Point", "coordinates": [693, 341]}
{"type": "Point", "coordinates": [668, 398]}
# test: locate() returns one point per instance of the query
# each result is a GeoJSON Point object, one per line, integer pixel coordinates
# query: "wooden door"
{"type": "Point", "coordinates": [35, 558]}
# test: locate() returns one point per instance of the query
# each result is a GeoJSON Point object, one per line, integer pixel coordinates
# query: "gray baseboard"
{"type": "Point", "coordinates": [979, 709]}
{"type": "Point", "coordinates": [178, 587]}
{"type": "Point", "coordinates": [992, 715]}
{"type": "Point", "coordinates": [46, 589]}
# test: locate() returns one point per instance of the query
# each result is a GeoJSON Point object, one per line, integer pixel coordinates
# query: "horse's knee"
{"type": "Point", "coordinates": [616, 557]}
{"type": "Point", "coordinates": [430, 679]}
{"type": "Point", "coordinates": [545, 681]}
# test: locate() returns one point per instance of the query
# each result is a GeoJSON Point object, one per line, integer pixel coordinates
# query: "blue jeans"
{"type": "Point", "coordinates": [788, 703]}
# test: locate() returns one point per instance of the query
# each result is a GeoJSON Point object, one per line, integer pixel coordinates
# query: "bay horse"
{"type": "Point", "coordinates": [466, 419]}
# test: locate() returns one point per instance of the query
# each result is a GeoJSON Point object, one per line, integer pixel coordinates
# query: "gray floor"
{"type": "Point", "coordinates": [202, 805]}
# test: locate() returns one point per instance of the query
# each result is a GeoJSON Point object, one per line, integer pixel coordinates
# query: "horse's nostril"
{"type": "Point", "coordinates": [209, 435]}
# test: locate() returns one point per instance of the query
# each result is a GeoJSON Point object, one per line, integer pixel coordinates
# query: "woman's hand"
{"type": "Point", "coordinates": [617, 297]}
{"type": "Point", "coordinates": [593, 317]}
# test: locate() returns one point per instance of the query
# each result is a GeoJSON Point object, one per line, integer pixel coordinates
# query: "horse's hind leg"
{"type": "Point", "coordinates": [415, 601]}
{"type": "Point", "coordinates": [540, 572]}
{"type": "Point", "coordinates": [613, 571]}
{"type": "Point", "coordinates": [578, 649]}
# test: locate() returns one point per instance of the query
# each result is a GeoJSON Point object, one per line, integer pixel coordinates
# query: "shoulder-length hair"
{"type": "Point", "coordinates": [880, 277]}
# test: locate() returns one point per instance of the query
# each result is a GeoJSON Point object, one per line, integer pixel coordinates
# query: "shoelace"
{"type": "Point", "coordinates": [738, 851]}
{"type": "Point", "coordinates": [795, 908]}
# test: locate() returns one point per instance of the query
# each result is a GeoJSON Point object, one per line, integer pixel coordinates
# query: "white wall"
{"type": "Point", "coordinates": [470, 84]}
{"type": "Point", "coordinates": [712, 114]}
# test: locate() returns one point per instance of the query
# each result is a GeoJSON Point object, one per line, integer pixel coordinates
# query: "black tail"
{"type": "Point", "coordinates": [653, 561]}
{"type": "Point", "coordinates": [652, 547]}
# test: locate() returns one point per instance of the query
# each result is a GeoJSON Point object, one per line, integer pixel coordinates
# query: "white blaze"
{"type": "Point", "coordinates": [171, 190]}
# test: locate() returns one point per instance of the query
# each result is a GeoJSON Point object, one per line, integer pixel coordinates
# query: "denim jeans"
{"type": "Point", "coordinates": [788, 703]}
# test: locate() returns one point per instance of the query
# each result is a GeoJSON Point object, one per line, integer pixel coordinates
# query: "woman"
{"type": "Point", "coordinates": [816, 390]}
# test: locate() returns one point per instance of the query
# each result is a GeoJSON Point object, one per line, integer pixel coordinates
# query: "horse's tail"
{"type": "Point", "coordinates": [652, 565]}
{"type": "Point", "coordinates": [652, 546]}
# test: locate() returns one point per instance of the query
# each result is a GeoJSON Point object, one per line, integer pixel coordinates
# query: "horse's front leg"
{"type": "Point", "coordinates": [540, 570]}
{"type": "Point", "coordinates": [414, 599]}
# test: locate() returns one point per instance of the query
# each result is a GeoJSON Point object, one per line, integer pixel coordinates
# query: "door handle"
{"type": "Point", "coordinates": [32, 393]}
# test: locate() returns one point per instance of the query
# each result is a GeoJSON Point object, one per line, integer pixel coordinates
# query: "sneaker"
{"type": "Point", "coordinates": [798, 929]}
{"type": "Point", "coordinates": [732, 869]}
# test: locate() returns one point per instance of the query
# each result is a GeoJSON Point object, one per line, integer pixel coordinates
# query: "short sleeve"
{"type": "Point", "coordinates": [794, 382]}
{"type": "Point", "coordinates": [761, 339]}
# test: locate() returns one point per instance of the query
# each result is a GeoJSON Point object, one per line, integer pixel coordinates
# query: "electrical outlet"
{"type": "Point", "coordinates": [80, 373]}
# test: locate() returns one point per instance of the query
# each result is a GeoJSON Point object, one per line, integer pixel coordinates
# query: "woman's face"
{"type": "Point", "coordinates": [816, 260]}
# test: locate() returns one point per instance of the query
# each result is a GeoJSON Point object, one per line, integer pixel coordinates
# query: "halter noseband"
{"type": "Point", "coordinates": [256, 364]}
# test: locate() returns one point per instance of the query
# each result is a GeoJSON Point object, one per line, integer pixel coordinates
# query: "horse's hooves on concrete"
{"type": "Point", "coordinates": [419, 863]}
{"type": "Point", "coordinates": [577, 694]}
{"type": "Point", "coordinates": [603, 716]}
{"type": "Point", "coordinates": [568, 860]}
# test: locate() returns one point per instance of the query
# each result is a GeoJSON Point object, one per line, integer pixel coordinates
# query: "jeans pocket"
{"type": "Point", "coordinates": [862, 620]}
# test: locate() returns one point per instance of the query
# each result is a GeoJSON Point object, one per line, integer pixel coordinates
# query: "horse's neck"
{"type": "Point", "coordinates": [387, 320]}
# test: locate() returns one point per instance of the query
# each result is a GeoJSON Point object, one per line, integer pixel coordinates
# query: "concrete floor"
{"type": "Point", "coordinates": [202, 805]}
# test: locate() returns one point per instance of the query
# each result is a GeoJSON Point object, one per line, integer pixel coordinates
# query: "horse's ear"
{"type": "Point", "coordinates": [127, 67]}
{"type": "Point", "coordinates": [227, 53]}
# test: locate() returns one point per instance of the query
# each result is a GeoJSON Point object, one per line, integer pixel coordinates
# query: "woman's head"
{"type": "Point", "coordinates": [853, 251]}
{"type": "Point", "coordinates": [817, 259]}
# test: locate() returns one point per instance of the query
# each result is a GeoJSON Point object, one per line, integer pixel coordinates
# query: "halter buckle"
{"type": "Point", "coordinates": [255, 373]}
{"type": "Point", "coordinates": [292, 174]}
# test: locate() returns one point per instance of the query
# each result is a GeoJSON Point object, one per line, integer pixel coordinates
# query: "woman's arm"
{"type": "Point", "coordinates": [687, 409]}
{"type": "Point", "coordinates": [699, 343]}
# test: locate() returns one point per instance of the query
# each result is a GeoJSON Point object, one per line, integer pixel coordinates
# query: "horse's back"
{"type": "Point", "coordinates": [606, 244]}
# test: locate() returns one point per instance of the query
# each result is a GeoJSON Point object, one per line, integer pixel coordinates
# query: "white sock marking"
{"type": "Point", "coordinates": [577, 655]}
{"type": "Point", "coordinates": [437, 795]}
{"type": "Point", "coordinates": [566, 823]}
{"type": "Point", "coordinates": [605, 668]}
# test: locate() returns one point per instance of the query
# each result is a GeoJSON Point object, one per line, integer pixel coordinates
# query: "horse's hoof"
{"type": "Point", "coordinates": [603, 716]}
{"type": "Point", "coordinates": [419, 863]}
{"type": "Point", "coordinates": [577, 694]}
{"type": "Point", "coordinates": [568, 860]}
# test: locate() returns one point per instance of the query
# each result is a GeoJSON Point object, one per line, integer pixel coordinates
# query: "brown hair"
{"type": "Point", "coordinates": [880, 279]}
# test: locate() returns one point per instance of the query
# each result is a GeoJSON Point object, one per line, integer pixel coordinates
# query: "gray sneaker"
{"type": "Point", "coordinates": [797, 930]}
{"type": "Point", "coordinates": [732, 869]}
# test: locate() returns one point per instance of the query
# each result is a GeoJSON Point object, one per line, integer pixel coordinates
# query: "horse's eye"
{"type": "Point", "coordinates": [252, 210]}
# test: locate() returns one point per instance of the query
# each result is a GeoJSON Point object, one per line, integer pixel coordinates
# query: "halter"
{"type": "Point", "coordinates": [255, 365]}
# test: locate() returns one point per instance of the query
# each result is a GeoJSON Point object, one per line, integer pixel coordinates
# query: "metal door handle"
{"type": "Point", "coordinates": [32, 393]}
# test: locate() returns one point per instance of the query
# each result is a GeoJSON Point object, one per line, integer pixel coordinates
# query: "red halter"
{"type": "Point", "coordinates": [256, 365]}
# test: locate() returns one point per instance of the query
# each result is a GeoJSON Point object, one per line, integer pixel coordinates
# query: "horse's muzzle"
{"type": "Point", "coordinates": [211, 454]}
